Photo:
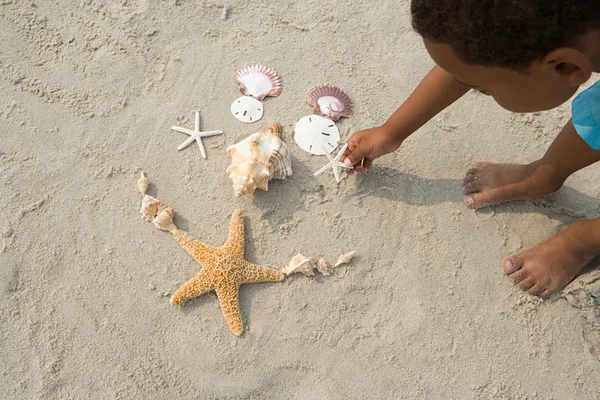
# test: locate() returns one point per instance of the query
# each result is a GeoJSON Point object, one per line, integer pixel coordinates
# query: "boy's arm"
{"type": "Point", "coordinates": [437, 91]}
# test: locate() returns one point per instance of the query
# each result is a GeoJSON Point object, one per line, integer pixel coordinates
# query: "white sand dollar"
{"type": "Point", "coordinates": [317, 135]}
{"type": "Point", "coordinates": [247, 109]}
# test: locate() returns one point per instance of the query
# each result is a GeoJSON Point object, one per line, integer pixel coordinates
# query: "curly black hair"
{"type": "Point", "coordinates": [504, 33]}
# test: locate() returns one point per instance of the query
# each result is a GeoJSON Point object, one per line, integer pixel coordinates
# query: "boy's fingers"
{"type": "Point", "coordinates": [354, 157]}
{"type": "Point", "coordinates": [367, 162]}
{"type": "Point", "coordinates": [351, 147]}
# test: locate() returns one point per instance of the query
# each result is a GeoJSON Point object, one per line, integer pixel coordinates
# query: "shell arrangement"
{"type": "Point", "coordinates": [224, 268]}
{"type": "Point", "coordinates": [317, 133]}
{"type": "Point", "coordinates": [307, 265]}
{"type": "Point", "coordinates": [256, 82]}
{"type": "Point", "coordinates": [257, 159]}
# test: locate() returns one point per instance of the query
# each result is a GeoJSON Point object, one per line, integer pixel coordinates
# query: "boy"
{"type": "Point", "coordinates": [529, 55]}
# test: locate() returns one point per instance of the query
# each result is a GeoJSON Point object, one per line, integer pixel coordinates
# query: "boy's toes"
{"type": "Point", "coordinates": [511, 264]}
{"type": "Point", "coordinates": [526, 284]}
{"type": "Point", "coordinates": [488, 197]}
{"type": "Point", "coordinates": [480, 200]}
{"type": "Point", "coordinates": [518, 276]}
{"type": "Point", "coordinates": [538, 290]}
{"type": "Point", "coordinates": [544, 293]}
{"type": "Point", "coordinates": [472, 187]}
{"type": "Point", "coordinates": [471, 175]}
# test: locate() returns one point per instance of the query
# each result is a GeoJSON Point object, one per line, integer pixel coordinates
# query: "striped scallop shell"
{"type": "Point", "coordinates": [330, 101]}
{"type": "Point", "coordinates": [258, 81]}
{"type": "Point", "coordinates": [257, 159]}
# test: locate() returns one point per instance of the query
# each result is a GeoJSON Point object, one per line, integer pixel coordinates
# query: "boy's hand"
{"type": "Point", "coordinates": [365, 146]}
{"type": "Point", "coordinates": [438, 90]}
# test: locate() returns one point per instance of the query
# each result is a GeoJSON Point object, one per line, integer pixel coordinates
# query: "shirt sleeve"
{"type": "Point", "coordinates": [586, 114]}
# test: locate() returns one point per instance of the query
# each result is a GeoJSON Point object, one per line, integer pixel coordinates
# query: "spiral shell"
{"type": "Point", "coordinates": [257, 159]}
{"type": "Point", "coordinates": [143, 183]}
{"type": "Point", "coordinates": [150, 207]}
{"type": "Point", "coordinates": [324, 266]}
{"type": "Point", "coordinates": [164, 219]}
{"type": "Point", "coordinates": [345, 258]}
{"type": "Point", "coordinates": [300, 263]}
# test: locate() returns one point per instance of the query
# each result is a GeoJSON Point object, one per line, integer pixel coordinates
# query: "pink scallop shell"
{"type": "Point", "coordinates": [258, 81]}
{"type": "Point", "coordinates": [330, 102]}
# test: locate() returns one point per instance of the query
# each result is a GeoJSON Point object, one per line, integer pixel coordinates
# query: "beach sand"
{"type": "Point", "coordinates": [90, 90]}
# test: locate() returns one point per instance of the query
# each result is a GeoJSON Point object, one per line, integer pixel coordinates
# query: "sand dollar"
{"type": "Point", "coordinates": [247, 109]}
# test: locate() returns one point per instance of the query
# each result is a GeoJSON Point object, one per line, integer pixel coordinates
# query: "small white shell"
{"type": "Point", "coordinates": [345, 258]}
{"type": "Point", "coordinates": [324, 266]}
{"type": "Point", "coordinates": [143, 183]}
{"type": "Point", "coordinates": [247, 109]}
{"type": "Point", "coordinates": [300, 263]}
{"type": "Point", "coordinates": [330, 101]}
{"type": "Point", "coordinates": [258, 81]}
{"type": "Point", "coordinates": [317, 135]}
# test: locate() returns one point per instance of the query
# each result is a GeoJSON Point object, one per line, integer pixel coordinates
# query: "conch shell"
{"type": "Point", "coordinates": [257, 159]}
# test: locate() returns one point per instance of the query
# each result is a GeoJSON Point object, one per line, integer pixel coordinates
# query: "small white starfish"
{"type": "Point", "coordinates": [195, 135]}
{"type": "Point", "coordinates": [335, 164]}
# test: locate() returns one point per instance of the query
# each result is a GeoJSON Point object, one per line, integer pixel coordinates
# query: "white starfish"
{"type": "Point", "coordinates": [335, 164]}
{"type": "Point", "coordinates": [195, 135]}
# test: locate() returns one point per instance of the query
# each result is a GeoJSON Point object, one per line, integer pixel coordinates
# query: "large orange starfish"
{"type": "Point", "coordinates": [224, 270]}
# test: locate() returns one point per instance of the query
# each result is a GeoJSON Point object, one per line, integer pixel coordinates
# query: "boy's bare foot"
{"type": "Point", "coordinates": [551, 265]}
{"type": "Point", "coordinates": [488, 183]}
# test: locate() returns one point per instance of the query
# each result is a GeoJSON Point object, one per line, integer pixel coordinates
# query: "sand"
{"type": "Point", "coordinates": [89, 92]}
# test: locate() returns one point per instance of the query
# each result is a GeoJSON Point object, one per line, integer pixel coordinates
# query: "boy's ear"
{"type": "Point", "coordinates": [570, 64]}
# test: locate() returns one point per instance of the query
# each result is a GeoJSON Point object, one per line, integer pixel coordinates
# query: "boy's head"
{"type": "Point", "coordinates": [530, 55]}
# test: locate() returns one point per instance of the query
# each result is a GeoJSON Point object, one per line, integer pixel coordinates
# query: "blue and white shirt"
{"type": "Point", "coordinates": [586, 115]}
